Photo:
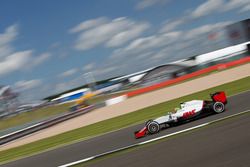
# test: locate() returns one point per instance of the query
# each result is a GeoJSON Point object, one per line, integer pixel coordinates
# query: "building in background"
{"type": "Point", "coordinates": [238, 32]}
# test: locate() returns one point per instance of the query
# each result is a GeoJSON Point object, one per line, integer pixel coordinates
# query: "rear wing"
{"type": "Point", "coordinates": [219, 96]}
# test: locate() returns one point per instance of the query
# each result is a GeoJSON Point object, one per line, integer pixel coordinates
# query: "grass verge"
{"type": "Point", "coordinates": [118, 122]}
{"type": "Point", "coordinates": [35, 115]}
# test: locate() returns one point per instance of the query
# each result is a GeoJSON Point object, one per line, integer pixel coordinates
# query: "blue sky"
{"type": "Point", "coordinates": [47, 46]}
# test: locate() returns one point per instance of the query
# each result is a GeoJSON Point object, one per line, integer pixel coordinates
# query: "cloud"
{"type": "Point", "coordinates": [143, 4]}
{"type": "Point", "coordinates": [9, 35]}
{"type": "Point", "coordinates": [234, 4]}
{"type": "Point", "coordinates": [147, 43]}
{"type": "Point", "coordinates": [40, 59]}
{"type": "Point", "coordinates": [88, 67]}
{"type": "Point", "coordinates": [245, 8]}
{"type": "Point", "coordinates": [205, 29]}
{"type": "Point", "coordinates": [89, 24]}
{"type": "Point", "coordinates": [128, 35]}
{"type": "Point", "coordinates": [6, 38]}
{"type": "Point", "coordinates": [15, 62]}
{"type": "Point", "coordinates": [27, 85]}
{"type": "Point", "coordinates": [172, 25]}
{"type": "Point", "coordinates": [218, 6]}
{"type": "Point", "coordinates": [207, 8]}
{"type": "Point", "coordinates": [69, 72]}
{"type": "Point", "coordinates": [110, 34]}
{"type": "Point", "coordinates": [11, 60]}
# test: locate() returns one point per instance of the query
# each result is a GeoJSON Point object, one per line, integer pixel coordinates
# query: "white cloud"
{"type": "Point", "coordinates": [27, 85]}
{"type": "Point", "coordinates": [145, 55]}
{"type": "Point", "coordinates": [15, 62]}
{"type": "Point", "coordinates": [40, 59]}
{"type": "Point", "coordinates": [69, 72]}
{"type": "Point", "coordinates": [11, 60]}
{"type": "Point", "coordinates": [205, 29]}
{"type": "Point", "coordinates": [207, 8]}
{"type": "Point", "coordinates": [89, 24]}
{"type": "Point", "coordinates": [142, 4]}
{"type": "Point", "coordinates": [147, 43]}
{"type": "Point", "coordinates": [89, 66]}
{"type": "Point", "coordinates": [6, 38]}
{"type": "Point", "coordinates": [171, 25]}
{"type": "Point", "coordinates": [127, 35]}
{"type": "Point", "coordinates": [217, 6]}
{"type": "Point", "coordinates": [110, 33]}
{"type": "Point", "coordinates": [245, 8]}
{"type": "Point", "coordinates": [9, 35]}
{"type": "Point", "coordinates": [234, 4]}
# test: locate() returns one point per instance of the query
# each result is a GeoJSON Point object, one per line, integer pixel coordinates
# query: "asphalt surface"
{"type": "Point", "coordinates": [121, 138]}
{"type": "Point", "coordinates": [226, 144]}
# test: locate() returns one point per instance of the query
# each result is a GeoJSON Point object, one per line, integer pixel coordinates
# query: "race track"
{"type": "Point", "coordinates": [223, 144]}
{"type": "Point", "coordinates": [125, 137]}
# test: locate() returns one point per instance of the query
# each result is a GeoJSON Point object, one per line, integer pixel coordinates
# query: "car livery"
{"type": "Point", "coordinates": [188, 110]}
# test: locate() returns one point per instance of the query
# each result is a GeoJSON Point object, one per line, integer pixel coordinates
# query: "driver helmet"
{"type": "Point", "coordinates": [182, 105]}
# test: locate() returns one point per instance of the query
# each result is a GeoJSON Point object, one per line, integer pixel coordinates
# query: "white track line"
{"type": "Point", "coordinates": [152, 140]}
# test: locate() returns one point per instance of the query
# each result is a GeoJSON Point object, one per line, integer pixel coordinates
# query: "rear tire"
{"type": "Point", "coordinates": [153, 127]}
{"type": "Point", "coordinates": [218, 107]}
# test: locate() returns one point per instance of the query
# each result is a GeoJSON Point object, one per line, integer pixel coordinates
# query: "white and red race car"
{"type": "Point", "coordinates": [188, 110]}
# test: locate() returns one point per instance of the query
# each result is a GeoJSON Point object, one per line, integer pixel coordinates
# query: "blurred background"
{"type": "Point", "coordinates": [64, 52]}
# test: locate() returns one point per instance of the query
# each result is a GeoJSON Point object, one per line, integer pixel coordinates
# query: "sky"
{"type": "Point", "coordinates": [49, 46]}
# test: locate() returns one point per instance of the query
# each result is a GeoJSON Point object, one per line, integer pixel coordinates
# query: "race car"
{"type": "Point", "coordinates": [188, 110]}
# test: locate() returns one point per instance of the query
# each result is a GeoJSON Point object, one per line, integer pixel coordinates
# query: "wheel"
{"type": "Point", "coordinates": [218, 107]}
{"type": "Point", "coordinates": [148, 122]}
{"type": "Point", "coordinates": [153, 127]}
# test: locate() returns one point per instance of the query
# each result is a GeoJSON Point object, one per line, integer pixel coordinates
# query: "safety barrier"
{"type": "Point", "coordinates": [115, 100]}
{"type": "Point", "coordinates": [188, 76]}
{"type": "Point", "coordinates": [42, 125]}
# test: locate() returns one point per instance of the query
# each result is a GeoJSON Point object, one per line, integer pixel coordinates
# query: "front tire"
{"type": "Point", "coordinates": [153, 127]}
{"type": "Point", "coordinates": [148, 122]}
{"type": "Point", "coordinates": [218, 107]}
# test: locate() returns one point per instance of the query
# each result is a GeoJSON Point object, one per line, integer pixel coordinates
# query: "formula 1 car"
{"type": "Point", "coordinates": [188, 110]}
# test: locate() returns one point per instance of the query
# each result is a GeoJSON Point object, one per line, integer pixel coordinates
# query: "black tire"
{"type": "Point", "coordinates": [148, 122]}
{"type": "Point", "coordinates": [218, 107]}
{"type": "Point", "coordinates": [153, 127]}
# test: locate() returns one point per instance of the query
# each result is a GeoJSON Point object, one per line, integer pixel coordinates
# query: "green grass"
{"type": "Point", "coordinates": [35, 115]}
{"type": "Point", "coordinates": [46, 112]}
{"type": "Point", "coordinates": [118, 122]}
